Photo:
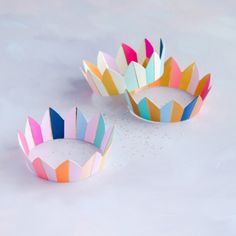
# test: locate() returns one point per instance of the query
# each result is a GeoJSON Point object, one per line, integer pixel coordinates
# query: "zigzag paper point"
{"type": "Point", "coordinates": [109, 76]}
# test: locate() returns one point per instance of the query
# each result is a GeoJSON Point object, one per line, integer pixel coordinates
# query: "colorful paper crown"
{"type": "Point", "coordinates": [188, 81]}
{"type": "Point", "coordinates": [75, 127]}
{"type": "Point", "coordinates": [113, 76]}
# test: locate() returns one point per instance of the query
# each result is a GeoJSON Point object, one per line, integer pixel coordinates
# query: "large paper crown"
{"type": "Point", "coordinates": [129, 70]}
{"type": "Point", "coordinates": [75, 126]}
{"type": "Point", "coordinates": [188, 81]}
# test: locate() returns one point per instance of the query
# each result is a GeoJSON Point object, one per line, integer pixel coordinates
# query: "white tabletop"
{"type": "Point", "coordinates": [160, 179]}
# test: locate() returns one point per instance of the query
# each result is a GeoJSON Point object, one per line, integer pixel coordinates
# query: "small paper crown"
{"type": "Point", "coordinates": [188, 81]}
{"type": "Point", "coordinates": [75, 126]}
{"type": "Point", "coordinates": [113, 76]}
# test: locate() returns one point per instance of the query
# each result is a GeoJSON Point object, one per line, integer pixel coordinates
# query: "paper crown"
{"type": "Point", "coordinates": [188, 81]}
{"type": "Point", "coordinates": [113, 76]}
{"type": "Point", "coordinates": [75, 127]}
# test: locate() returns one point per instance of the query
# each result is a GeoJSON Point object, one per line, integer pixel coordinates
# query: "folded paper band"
{"type": "Point", "coordinates": [75, 126]}
{"type": "Point", "coordinates": [188, 81]}
{"type": "Point", "coordinates": [113, 76]}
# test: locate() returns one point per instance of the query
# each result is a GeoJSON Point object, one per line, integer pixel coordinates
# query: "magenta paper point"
{"type": "Point", "coordinates": [130, 54]}
{"type": "Point", "coordinates": [149, 48]}
{"type": "Point", "coordinates": [206, 89]}
{"type": "Point", "coordinates": [194, 81]}
{"type": "Point", "coordinates": [110, 62]}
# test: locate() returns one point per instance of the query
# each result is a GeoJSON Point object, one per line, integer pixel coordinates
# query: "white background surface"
{"type": "Point", "coordinates": [163, 179]}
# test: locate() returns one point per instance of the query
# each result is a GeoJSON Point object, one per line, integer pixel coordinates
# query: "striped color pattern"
{"type": "Point", "coordinates": [188, 81]}
{"type": "Point", "coordinates": [75, 126]}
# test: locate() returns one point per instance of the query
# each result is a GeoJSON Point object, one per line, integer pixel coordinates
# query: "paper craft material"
{"type": "Point", "coordinates": [128, 71]}
{"type": "Point", "coordinates": [74, 128]}
{"type": "Point", "coordinates": [161, 95]}
{"type": "Point", "coordinates": [172, 111]}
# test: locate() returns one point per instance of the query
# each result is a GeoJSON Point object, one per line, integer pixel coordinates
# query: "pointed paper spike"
{"type": "Point", "coordinates": [153, 68]}
{"type": "Point", "coordinates": [165, 78]}
{"type": "Point", "coordinates": [74, 171]}
{"type": "Point", "coordinates": [177, 112]}
{"type": "Point", "coordinates": [70, 124]}
{"type": "Point", "coordinates": [166, 112]}
{"type": "Point", "coordinates": [130, 54]}
{"type": "Point", "coordinates": [85, 66]}
{"type": "Point", "coordinates": [150, 70]}
{"type": "Point", "coordinates": [81, 125]}
{"type": "Point", "coordinates": [88, 66]}
{"type": "Point", "coordinates": [89, 78]}
{"type": "Point", "coordinates": [62, 172]}
{"type": "Point", "coordinates": [46, 127]}
{"type": "Point", "coordinates": [188, 109]}
{"type": "Point", "coordinates": [143, 109]}
{"type": "Point", "coordinates": [206, 88]}
{"type": "Point", "coordinates": [140, 74]}
{"type": "Point", "coordinates": [23, 143]}
{"type": "Point", "coordinates": [121, 60]}
{"type": "Point", "coordinates": [193, 81]}
{"type": "Point", "coordinates": [205, 92]}
{"type": "Point", "coordinates": [203, 84]}
{"type": "Point", "coordinates": [87, 167]}
{"type": "Point", "coordinates": [107, 139]}
{"type": "Point", "coordinates": [162, 49]}
{"type": "Point", "coordinates": [133, 103]}
{"type": "Point", "coordinates": [91, 129]}
{"type": "Point", "coordinates": [36, 131]}
{"type": "Point", "coordinates": [101, 62]}
{"type": "Point", "coordinates": [149, 48]}
{"type": "Point", "coordinates": [38, 167]}
{"type": "Point", "coordinates": [131, 78]}
{"type": "Point", "coordinates": [99, 84]}
{"type": "Point", "coordinates": [100, 132]}
{"type": "Point", "coordinates": [175, 75]}
{"type": "Point", "coordinates": [50, 172]}
{"type": "Point", "coordinates": [118, 80]}
{"type": "Point", "coordinates": [57, 124]}
{"type": "Point", "coordinates": [105, 61]}
{"type": "Point", "coordinates": [186, 77]}
{"type": "Point", "coordinates": [153, 110]}
{"type": "Point", "coordinates": [109, 83]}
